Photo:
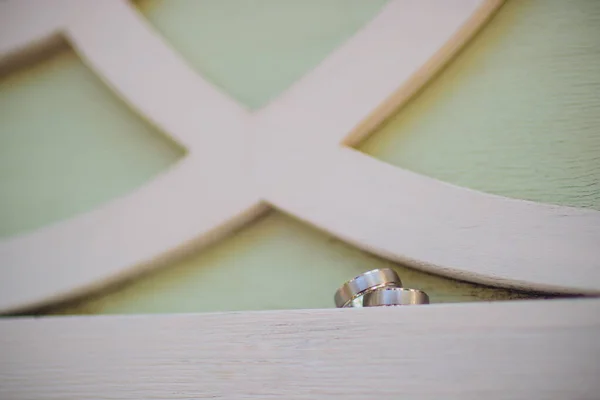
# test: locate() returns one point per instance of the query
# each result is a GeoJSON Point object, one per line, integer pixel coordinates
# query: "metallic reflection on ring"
{"type": "Point", "coordinates": [394, 296]}
{"type": "Point", "coordinates": [351, 293]}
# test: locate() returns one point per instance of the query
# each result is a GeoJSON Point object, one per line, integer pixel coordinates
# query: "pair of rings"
{"type": "Point", "coordinates": [379, 287]}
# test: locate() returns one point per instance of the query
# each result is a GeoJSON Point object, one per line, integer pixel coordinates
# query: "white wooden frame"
{"type": "Point", "coordinates": [509, 350]}
{"type": "Point", "coordinates": [288, 156]}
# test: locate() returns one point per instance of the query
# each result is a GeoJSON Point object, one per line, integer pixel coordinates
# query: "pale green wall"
{"type": "Point", "coordinates": [516, 114]}
{"type": "Point", "coordinates": [67, 144]}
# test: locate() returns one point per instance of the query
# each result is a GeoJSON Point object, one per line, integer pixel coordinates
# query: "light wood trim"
{"type": "Point", "coordinates": [288, 155]}
{"type": "Point", "coordinates": [213, 190]}
{"type": "Point", "coordinates": [527, 350]}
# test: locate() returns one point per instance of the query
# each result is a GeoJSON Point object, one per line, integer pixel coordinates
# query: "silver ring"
{"type": "Point", "coordinates": [350, 294]}
{"type": "Point", "coordinates": [394, 296]}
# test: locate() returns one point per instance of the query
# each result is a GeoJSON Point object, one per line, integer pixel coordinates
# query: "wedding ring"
{"type": "Point", "coordinates": [351, 293]}
{"type": "Point", "coordinates": [394, 296]}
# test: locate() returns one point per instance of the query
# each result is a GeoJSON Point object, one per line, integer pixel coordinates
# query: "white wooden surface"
{"type": "Point", "coordinates": [287, 155]}
{"type": "Point", "coordinates": [518, 350]}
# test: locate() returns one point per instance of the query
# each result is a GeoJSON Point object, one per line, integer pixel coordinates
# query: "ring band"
{"type": "Point", "coordinates": [394, 296]}
{"type": "Point", "coordinates": [351, 293]}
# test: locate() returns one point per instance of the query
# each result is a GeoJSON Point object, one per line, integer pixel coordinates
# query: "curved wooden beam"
{"type": "Point", "coordinates": [187, 206]}
{"type": "Point", "coordinates": [288, 154]}
{"type": "Point", "coordinates": [442, 228]}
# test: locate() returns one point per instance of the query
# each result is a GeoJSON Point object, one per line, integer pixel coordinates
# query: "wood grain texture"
{"type": "Point", "coordinates": [534, 350]}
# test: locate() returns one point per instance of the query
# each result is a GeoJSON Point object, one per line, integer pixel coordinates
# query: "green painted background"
{"type": "Point", "coordinates": [67, 144]}
{"type": "Point", "coordinates": [516, 114]}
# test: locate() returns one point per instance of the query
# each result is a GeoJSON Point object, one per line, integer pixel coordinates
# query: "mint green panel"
{"type": "Point", "coordinates": [68, 145]}
{"type": "Point", "coordinates": [516, 114]}
{"type": "Point", "coordinates": [255, 49]}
